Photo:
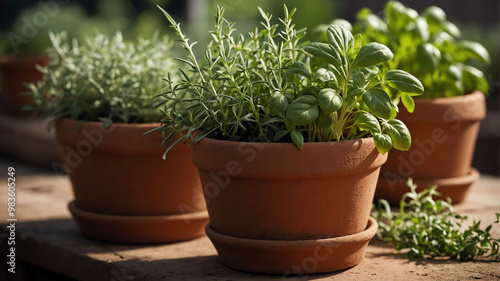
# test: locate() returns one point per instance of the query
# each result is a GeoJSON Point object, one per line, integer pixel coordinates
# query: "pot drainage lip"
{"type": "Point", "coordinates": [100, 216]}
{"type": "Point", "coordinates": [364, 235]}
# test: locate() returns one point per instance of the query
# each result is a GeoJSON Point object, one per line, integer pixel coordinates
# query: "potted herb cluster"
{"type": "Point", "coordinates": [98, 92]}
{"type": "Point", "coordinates": [446, 120]}
{"type": "Point", "coordinates": [288, 139]}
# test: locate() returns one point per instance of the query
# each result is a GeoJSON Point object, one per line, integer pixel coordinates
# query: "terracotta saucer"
{"type": "Point", "coordinates": [456, 188]}
{"type": "Point", "coordinates": [298, 257]}
{"type": "Point", "coordinates": [139, 229]}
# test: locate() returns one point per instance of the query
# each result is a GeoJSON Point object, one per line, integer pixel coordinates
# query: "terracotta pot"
{"type": "Point", "coordinates": [17, 70]}
{"type": "Point", "coordinates": [273, 191]}
{"type": "Point", "coordinates": [444, 132]}
{"type": "Point", "coordinates": [118, 172]}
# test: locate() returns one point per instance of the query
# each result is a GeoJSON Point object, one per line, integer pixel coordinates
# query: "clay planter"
{"type": "Point", "coordinates": [124, 191]}
{"type": "Point", "coordinates": [17, 70]}
{"type": "Point", "coordinates": [274, 202]}
{"type": "Point", "coordinates": [444, 132]}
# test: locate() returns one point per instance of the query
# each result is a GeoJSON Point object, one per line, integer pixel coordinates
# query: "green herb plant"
{"type": "Point", "coordinates": [431, 228]}
{"type": "Point", "coordinates": [270, 86]}
{"type": "Point", "coordinates": [428, 46]}
{"type": "Point", "coordinates": [103, 79]}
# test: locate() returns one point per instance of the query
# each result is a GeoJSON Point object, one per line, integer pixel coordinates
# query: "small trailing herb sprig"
{"type": "Point", "coordinates": [428, 46]}
{"type": "Point", "coordinates": [431, 228]}
{"type": "Point", "coordinates": [271, 86]}
{"type": "Point", "coordinates": [103, 79]}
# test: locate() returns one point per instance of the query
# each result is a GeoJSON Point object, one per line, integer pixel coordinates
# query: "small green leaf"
{"type": "Point", "coordinates": [367, 122]}
{"type": "Point", "coordinates": [297, 138]}
{"type": "Point", "coordinates": [474, 79]}
{"type": "Point", "coordinates": [379, 103]}
{"type": "Point", "coordinates": [474, 50]}
{"type": "Point", "coordinates": [278, 104]}
{"type": "Point", "coordinates": [329, 101]}
{"type": "Point", "coordinates": [303, 110]}
{"type": "Point", "coordinates": [403, 81]}
{"type": "Point", "coordinates": [383, 142]}
{"type": "Point", "coordinates": [408, 102]}
{"type": "Point", "coordinates": [299, 67]}
{"type": "Point", "coordinates": [339, 37]}
{"type": "Point", "coordinates": [372, 54]}
{"type": "Point", "coordinates": [400, 136]}
{"type": "Point", "coordinates": [324, 51]}
{"type": "Point", "coordinates": [428, 57]}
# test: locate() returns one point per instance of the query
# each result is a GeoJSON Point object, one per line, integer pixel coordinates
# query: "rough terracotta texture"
{"type": "Point", "coordinates": [47, 237]}
{"type": "Point", "coordinates": [17, 70]}
{"type": "Point", "coordinates": [444, 132]}
{"type": "Point", "coordinates": [274, 191]}
{"type": "Point", "coordinates": [311, 256]}
{"type": "Point", "coordinates": [118, 171]}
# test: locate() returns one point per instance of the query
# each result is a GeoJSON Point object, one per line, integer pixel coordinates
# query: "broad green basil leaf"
{"type": "Point", "coordinates": [408, 102]}
{"type": "Point", "coordinates": [421, 30]}
{"type": "Point", "coordinates": [339, 37]}
{"type": "Point", "coordinates": [470, 49]}
{"type": "Point", "coordinates": [428, 57]}
{"type": "Point", "coordinates": [345, 24]}
{"type": "Point", "coordinates": [303, 110]}
{"type": "Point", "coordinates": [325, 121]}
{"type": "Point", "coordinates": [474, 79]}
{"type": "Point", "coordinates": [372, 54]}
{"type": "Point", "coordinates": [358, 78]}
{"type": "Point", "coordinates": [367, 122]}
{"type": "Point", "coordinates": [299, 67]}
{"type": "Point", "coordinates": [383, 142]}
{"type": "Point", "coordinates": [454, 73]}
{"type": "Point", "coordinates": [435, 15]}
{"type": "Point", "coordinates": [452, 29]}
{"type": "Point", "coordinates": [400, 136]}
{"type": "Point", "coordinates": [403, 81]}
{"type": "Point", "coordinates": [297, 138]}
{"type": "Point", "coordinates": [278, 104]}
{"type": "Point", "coordinates": [379, 103]}
{"type": "Point", "coordinates": [324, 75]}
{"type": "Point", "coordinates": [375, 22]}
{"type": "Point", "coordinates": [324, 51]}
{"type": "Point", "coordinates": [329, 101]}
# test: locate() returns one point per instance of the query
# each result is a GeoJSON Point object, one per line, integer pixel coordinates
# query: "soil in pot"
{"type": "Point", "coordinates": [118, 176]}
{"type": "Point", "coordinates": [444, 132]}
{"type": "Point", "coordinates": [17, 70]}
{"type": "Point", "coordinates": [275, 192]}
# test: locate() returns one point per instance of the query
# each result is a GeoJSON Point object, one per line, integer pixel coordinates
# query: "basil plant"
{"type": "Point", "coordinates": [270, 86]}
{"type": "Point", "coordinates": [429, 46]}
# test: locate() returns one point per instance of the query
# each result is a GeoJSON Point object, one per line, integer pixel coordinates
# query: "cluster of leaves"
{"type": "Point", "coordinates": [272, 87]}
{"type": "Point", "coordinates": [428, 46]}
{"type": "Point", "coordinates": [431, 228]}
{"type": "Point", "coordinates": [103, 79]}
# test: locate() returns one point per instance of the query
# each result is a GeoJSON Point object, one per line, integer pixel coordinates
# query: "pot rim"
{"type": "Point", "coordinates": [279, 160]}
{"type": "Point", "coordinates": [365, 235]}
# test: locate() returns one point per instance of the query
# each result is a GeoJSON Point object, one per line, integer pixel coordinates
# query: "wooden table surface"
{"type": "Point", "coordinates": [47, 237]}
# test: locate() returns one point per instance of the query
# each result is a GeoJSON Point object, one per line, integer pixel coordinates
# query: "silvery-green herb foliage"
{"type": "Point", "coordinates": [270, 86]}
{"type": "Point", "coordinates": [104, 79]}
